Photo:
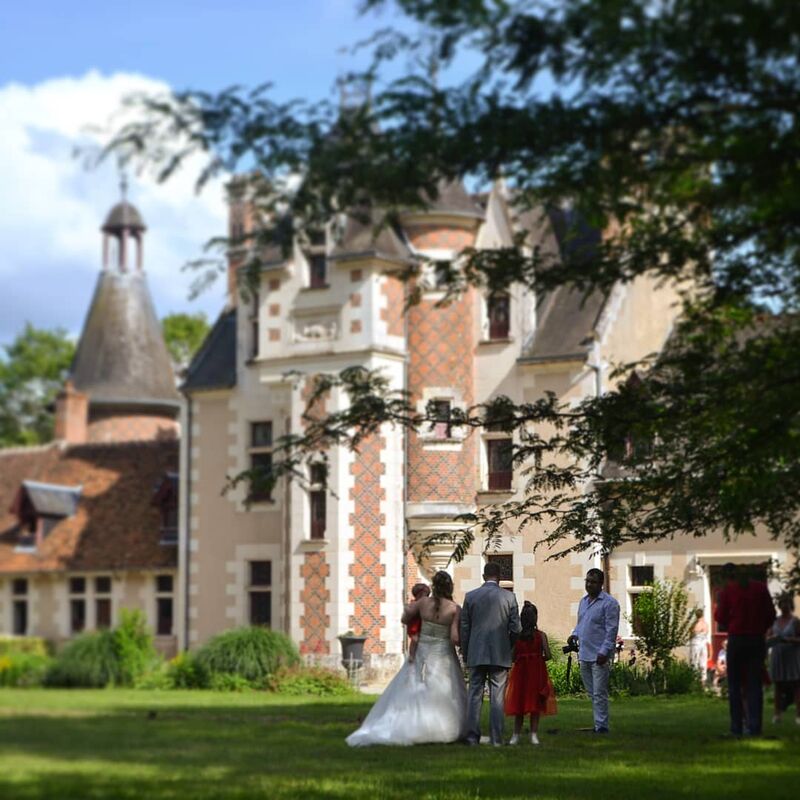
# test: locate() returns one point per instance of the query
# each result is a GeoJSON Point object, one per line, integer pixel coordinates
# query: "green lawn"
{"type": "Point", "coordinates": [193, 745]}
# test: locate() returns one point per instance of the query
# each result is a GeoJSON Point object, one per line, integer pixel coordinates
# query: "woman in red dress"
{"type": "Point", "coordinates": [529, 689]}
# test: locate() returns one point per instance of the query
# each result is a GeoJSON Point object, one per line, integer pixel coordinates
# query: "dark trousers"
{"type": "Point", "coordinates": [745, 665]}
{"type": "Point", "coordinates": [478, 676]}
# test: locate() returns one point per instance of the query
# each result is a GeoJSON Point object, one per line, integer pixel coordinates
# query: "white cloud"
{"type": "Point", "coordinates": [51, 208]}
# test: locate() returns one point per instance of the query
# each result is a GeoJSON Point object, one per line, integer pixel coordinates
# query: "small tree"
{"type": "Point", "coordinates": [663, 621]}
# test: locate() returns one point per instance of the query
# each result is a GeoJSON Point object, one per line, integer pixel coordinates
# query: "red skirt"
{"type": "Point", "coordinates": [529, 689]}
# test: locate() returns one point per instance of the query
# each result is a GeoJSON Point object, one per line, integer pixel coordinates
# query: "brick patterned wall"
{"type": "Point", "coordinates": [130, 428]}
{"type": "Point", "coordinates": [367, 544]}
{"type": "Point", "coordinates": [315, 592]}
{"type": "Point", "coordinates": [442, 353]}
{"type": "Point", "coordinates": [314, 596]}
{"type": "Point", "coordinates": [394, 313]}
{"type": "Point", "coordinates": [425, 237]}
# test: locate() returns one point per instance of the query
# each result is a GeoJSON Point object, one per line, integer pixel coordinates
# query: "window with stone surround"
{"type": "Point", "coordinates": [77, 605]}
{"type": "Point", "coordinates": [506, 563]}
{"type": "Point", "coordinates": [259, 593]}
{"type": "Point", "coordinates": [255, 323]}
{"type": "Point", "coordinates": [441, 412]}
{"type": "Point", "coordinates": [499, 462]}
{"type": "Point", "coordinates": [442, 407]}
{"type": "Point", "coordinates": [260, 455]}
{"type": "Point", "coordinates": [317, 270]}
{"type": "Point", "coordinates": [317, 495]}
{"type": "Point", "coordinates": [19, 593]}
{"type": "Point", "coordinates": [102, 602]}
{"type": "Point", "coordinates": [498, 314]}
{"type": "Point", "coordinates": [165, 605]}
{"type": "Point", "coordinates": [642, 576]}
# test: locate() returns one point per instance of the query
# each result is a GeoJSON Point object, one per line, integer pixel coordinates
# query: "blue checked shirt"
{"type": "Point", "coordinates": [598, 624]}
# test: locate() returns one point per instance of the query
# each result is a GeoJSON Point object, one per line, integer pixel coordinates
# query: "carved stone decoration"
{"type": "Point", "coordinates": [316, 330]}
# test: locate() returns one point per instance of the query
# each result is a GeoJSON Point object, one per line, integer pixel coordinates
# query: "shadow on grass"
{"type": "Point", "coordinates": [212, 747]}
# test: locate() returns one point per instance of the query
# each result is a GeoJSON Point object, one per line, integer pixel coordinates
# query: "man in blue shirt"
{"type": "Point", "coordinates": [596, 635]}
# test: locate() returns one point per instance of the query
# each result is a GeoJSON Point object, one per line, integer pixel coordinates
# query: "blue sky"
{"type": "Point", "coordinates": [65, 65]}
{"type": "Point", "coordinates": [205, 43]}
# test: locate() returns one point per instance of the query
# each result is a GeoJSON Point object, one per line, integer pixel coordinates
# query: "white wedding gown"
{"type": "Point", "coordinates": [425, 702]}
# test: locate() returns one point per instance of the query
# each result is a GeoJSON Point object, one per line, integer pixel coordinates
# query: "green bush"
{"type": "Point", "coordinates": [155, 678]}
{"type": "Point", "coordinates": [88, 661]}
{"type": "Point", "coordinates": [23, 669]}
{"type": "Point", "coordinates": [133, 643]}
{"type": "Point", "coordinates": [252, 653]}
{"type": "Point", "coordinates": [680, 677]}
{"type": "Point", "coordinates": [120, 657]}
{"type": "Point", "coordinates": [557, 669]}
{"type": "Point", "coordinates": [32, 645]}
{"type": "Point", "coordinates": [185, 672]}
{"type": "Point", "coordinates": [309, 681]}
{"type": "Point", "coordinates": [230, 682]}
{"type": "Point", "coordinates": [676, 677]}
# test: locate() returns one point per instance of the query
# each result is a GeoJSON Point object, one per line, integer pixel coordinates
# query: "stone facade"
{"type": "Point", "coordinates": [387, 499]}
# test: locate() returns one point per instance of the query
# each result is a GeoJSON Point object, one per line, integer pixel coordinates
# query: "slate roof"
{"type": "Point", "coordinates": [121, 357]}
{"type": "Point", "coordinates": [214, 364]}
{"type": "Point", "coordinates": [565, 316]}
{"type": "Point", "coordinates": [453, 198]}
{"type": "Point", "coordinates": [364, 238]}
{"type": "Point", "coordinates": [114, 526]}
{"type": "Point", "coordinates": [52, 500]}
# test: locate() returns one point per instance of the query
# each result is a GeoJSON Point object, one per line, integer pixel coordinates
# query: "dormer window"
{"type": "Point", "coordinates": [317, 271]}
{"type": "Point", "coordinates": [165, 499]}
{"type": "Point", "coordinates": [39, 507]}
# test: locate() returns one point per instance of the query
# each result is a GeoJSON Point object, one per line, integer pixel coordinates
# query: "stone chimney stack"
{"type": "Point", "coordinates": [72, 415]}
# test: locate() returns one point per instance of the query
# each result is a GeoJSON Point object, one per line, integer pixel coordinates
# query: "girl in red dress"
{"type": "Point", "coordinates": [529, 689]}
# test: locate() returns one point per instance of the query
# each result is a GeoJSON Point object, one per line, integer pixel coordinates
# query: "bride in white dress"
{"type": "Point", "coordinates": [426, 701]}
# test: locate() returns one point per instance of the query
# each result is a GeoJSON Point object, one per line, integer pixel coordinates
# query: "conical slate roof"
{"type": "Point", "coordinates": [453, 198]}
{"type": "Point", "coordinates": [121, 357]}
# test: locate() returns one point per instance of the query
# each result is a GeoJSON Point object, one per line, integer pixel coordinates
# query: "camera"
{"type": "Point", "coordinates": [570, 647]}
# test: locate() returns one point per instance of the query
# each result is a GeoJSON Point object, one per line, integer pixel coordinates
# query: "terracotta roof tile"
{"type": "Point", "coordinates": [115, 526]}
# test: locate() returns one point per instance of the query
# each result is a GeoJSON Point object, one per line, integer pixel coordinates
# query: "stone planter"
{"type": "Point", "coordinates": [352, 651]}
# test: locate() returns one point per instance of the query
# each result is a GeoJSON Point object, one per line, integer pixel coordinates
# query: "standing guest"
{"type": "Point", "coordinates": [721, 668]}
{"type": "Point", "coordinates": [489, 623]}
{"type": "Point", "coordinates": [530, 690]}
{"type": "Point", "coordinates": [745, 612]}
{"type": "Point", "coordinates": [418, 591]}
{"type": "Point", "coordinates": [595, 635]}
{"type": "Point", "coordinates": [784, 658]}
{"type": "Point", "coordinates": [698, 644]}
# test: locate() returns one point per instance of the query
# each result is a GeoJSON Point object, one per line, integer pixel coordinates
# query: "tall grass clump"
{"type": "Point", "coordinates": [251, 653]}
{"type": "Point", "coordinates": [104, 658]}
{"type": "Point", "coordinates": [89, 661]}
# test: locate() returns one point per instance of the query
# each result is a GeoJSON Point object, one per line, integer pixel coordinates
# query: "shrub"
{"type": "Point", "coordinates": [557, 669]}
{"type": "Point", "coordinates": [32, 645]}
{"type": "Point", "coordinates": [252, 653]}
{"type": "Point", "coordinates": [680, 677]}
{"type": "Point", "coordinates": [133, 644]}
{"type": "Point", "coordinates": [230, 682]}
{"type": "Point", "coordinates": [156, 678]}
{"type": "Point", "coordinates": [23, 669]}
{"type": "Point", "coordinates": [663, 621]}
{"type": "Point", "coordinates": [184, 672]}
{"type": "Point", "coordinates": [309, 681]}
{"type": "Point", "coordinates": [120, 657]}
{"type": "Point", "coordinates": [88, 661]}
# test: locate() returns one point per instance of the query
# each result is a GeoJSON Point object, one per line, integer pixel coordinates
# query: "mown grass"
{"type": "Point", "coordinates": [157, 745]}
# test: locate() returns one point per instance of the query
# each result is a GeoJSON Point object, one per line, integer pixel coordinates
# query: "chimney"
{"type": "Point", "coordinates": [72, 412]}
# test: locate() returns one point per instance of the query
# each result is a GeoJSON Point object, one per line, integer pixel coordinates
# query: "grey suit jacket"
{"type": "Point", "coordinates": [489, 620]}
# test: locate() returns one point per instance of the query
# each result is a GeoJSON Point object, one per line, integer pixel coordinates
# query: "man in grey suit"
{"type": "Point", "coordinates": [489, 621]}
